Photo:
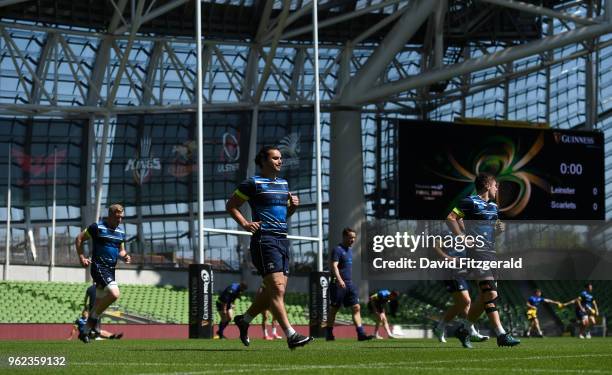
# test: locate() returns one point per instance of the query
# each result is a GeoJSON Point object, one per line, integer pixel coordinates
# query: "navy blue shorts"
{"type": "Point", "coordinates": [102, 275]}
{"type": "Point", "coordinates": [456, 285]}
{"type": "Point", "coordinates": [346, 297]}
{"type": "Point", "coordinates": [581, 315]}
{"type": "Point", "coordinates": [270, 253]}
{"type": "Point", "coordinates": [481, 273]}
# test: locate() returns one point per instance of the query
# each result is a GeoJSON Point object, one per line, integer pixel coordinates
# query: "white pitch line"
{"type": "Point", "coordinates": [374, 364]}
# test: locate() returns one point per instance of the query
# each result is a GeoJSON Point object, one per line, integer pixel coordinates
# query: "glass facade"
{"type": "Point", "coordinates": [161, 218]}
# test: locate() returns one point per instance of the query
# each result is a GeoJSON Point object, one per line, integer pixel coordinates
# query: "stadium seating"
{"type": "Point", "coordinates": [62, 303]}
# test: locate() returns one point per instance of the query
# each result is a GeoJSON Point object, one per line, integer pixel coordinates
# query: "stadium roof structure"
{"type": "Point", "coordinates": [409, 56]}
{"type": "Point", "coordinates": [341, 20]}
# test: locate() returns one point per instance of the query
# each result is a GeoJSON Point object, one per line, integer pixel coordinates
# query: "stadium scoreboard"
{"type": "Point", "coordinates": [543, 174]}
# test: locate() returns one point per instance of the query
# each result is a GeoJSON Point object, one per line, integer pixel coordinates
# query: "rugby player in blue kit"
{"type": "Point", "coordinates": [342, 291]}
{"type": "Point", "coordinates": [271, 203]}
{"type": "Point", "coordinates": [533, 303]}
{"type": "Point", "coordinates": [108, 245]}
{"type": "Point", "coordinates": [479, 217]}
{"type": "Point", "coordinates": [586, 310]}
{"type": "Point", "coordinates": [225, 304]}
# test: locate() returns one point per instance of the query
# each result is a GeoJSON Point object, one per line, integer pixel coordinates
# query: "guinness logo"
{"type": "Point", "coordinates": [323, 282]}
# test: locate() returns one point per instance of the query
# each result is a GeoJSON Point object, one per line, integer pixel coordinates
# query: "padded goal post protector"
{"type": "Point", "coordinates": [201, 317]}
{"type": "Point", "coordinates": [319, 302]}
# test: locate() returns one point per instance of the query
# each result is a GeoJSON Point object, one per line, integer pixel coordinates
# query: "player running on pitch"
{"type": "Point", "coordinates": [586, 310]}
{"type": "Point", "coordinates": [480, 220]}
{"type": "Point", "coordinates": [108, 245]}
{"type": "Point", "coordinates": [271, 203]}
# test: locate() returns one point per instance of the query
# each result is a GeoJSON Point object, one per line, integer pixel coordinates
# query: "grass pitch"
{"type": "Point", "coordinates": [533, 356]}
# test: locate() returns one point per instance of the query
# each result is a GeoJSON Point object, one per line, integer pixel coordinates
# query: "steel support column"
{"type": "Point", "coordinates": [42, 68]}
{"type": "Point", "coordinates": [440, 15]}
{"type": "Point", "coordinates": [250, 87]}
{"type": "Point", "coordinates": [591, 81]}
{"type": "Point", "coordinates": [541, 11]}
{"type": "Point", "coordinates": [346, 195]}
{"type": "Point", "coordinates": [403, 30]}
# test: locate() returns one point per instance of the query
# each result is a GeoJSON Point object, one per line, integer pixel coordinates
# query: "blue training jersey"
{"type": "Point", "coordinates": [381, 297]}
{"type": "Point", "coordinates": [586, 299]}
{"type": "Point", "coordinates": [106, 244]}
{"type": "Point", "coordinates": [479, 219]}
{"type": "Point", "coordinates": [230, 293]}
{"type": "Point", "coordinates": [535, 301]}
{"type": "Point", "coordinates": [268, 199]}
{"type": "Point", "coordinates": [450, 251]}
{"type": "Point", "coordinates": [344, 257]}
{"type": "Point", "coordinates": [81, 323]}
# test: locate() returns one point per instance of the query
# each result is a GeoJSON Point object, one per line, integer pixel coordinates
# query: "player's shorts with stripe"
{"type": "Point", "coordinates": [270, 253]}
{"type": "Point", "coordinates": [346, 297]}
{"type": "Point", "coordinates": [456, 285]}
{"type": "Point", "coordinates": [102, 275]}
{"type": "Point", "coordinates": [580, 315]}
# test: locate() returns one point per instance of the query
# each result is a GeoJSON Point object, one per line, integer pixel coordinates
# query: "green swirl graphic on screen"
{"type": "Point", "coordinates": [500, 157]}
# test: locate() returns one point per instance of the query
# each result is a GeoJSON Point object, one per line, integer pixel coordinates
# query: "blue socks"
{"type": "Point", "coordinates": [360, 331]}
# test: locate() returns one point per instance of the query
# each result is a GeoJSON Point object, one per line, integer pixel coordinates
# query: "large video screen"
{"type": "Point", "coordinates": [543, 174]}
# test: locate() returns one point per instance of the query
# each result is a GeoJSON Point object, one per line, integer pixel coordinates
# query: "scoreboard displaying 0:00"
{"type": "Point", "coordinates": [543, 174]}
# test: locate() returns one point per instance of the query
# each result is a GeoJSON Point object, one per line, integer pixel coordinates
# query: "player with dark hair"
{"type": "Point", "coordinates": [533, 303]}
{"type": "Point", "coordinates": [376, 305]}
{"type": "Point", "coordinates": [108, 246]}
{"type": "Point", "coordinates": [477, 214]}
{"type": "Point", "coordinates": [342, 291]}
{"type": "Point", "coordinates": [586, 310]}
{"type": "Point", "coordinates": [225, 304]}
{"type": "Point", "coordinates": [271, 203]}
